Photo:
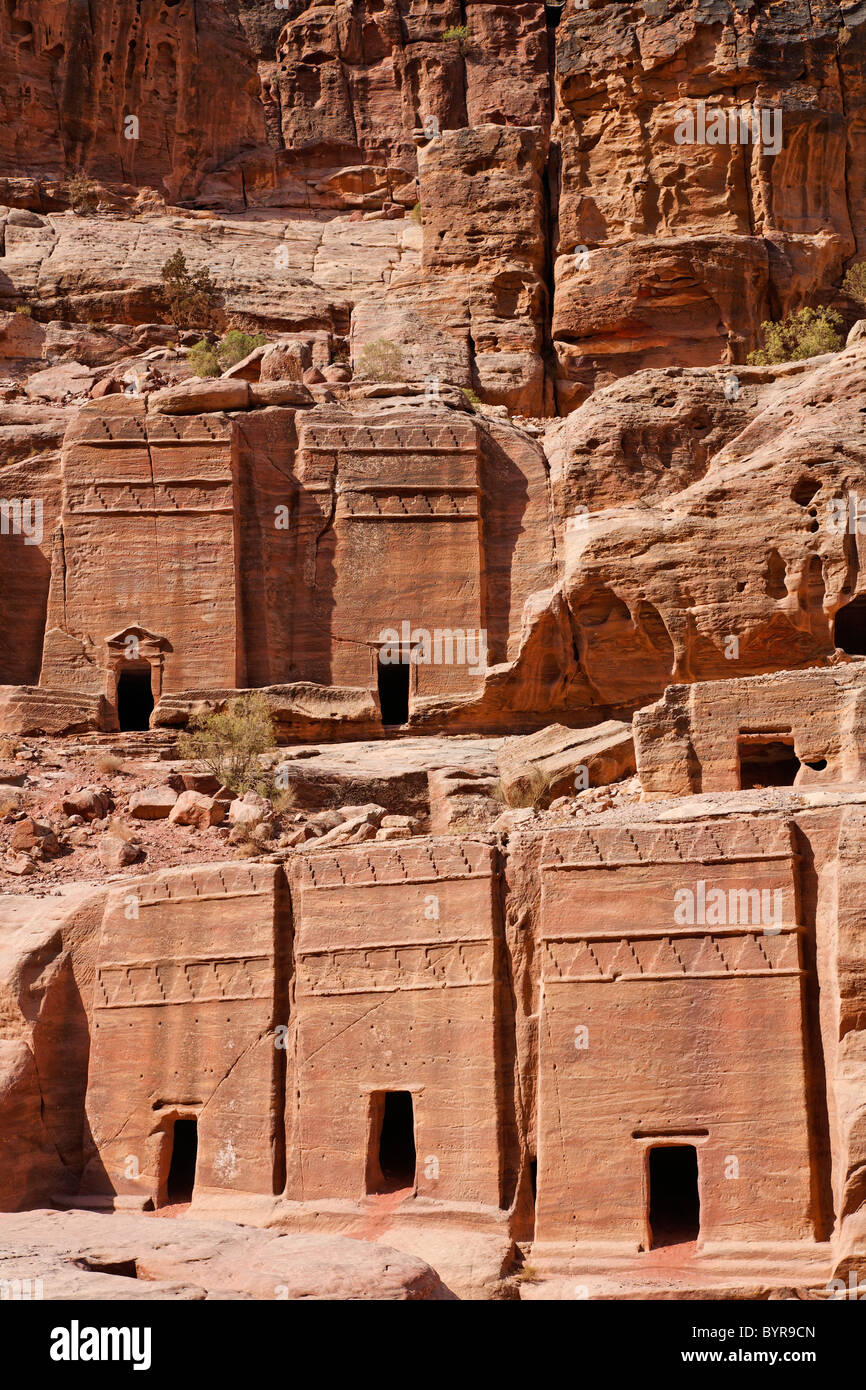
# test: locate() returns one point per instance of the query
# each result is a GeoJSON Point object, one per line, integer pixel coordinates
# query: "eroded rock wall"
{"type": "Point", "coordinates": [302, 1000]}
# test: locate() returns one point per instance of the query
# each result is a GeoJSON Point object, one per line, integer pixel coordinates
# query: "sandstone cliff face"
{"type": "Point", "coordinates": [683, 248]}
{"type": "Point", "coordinates": [368, 995]}
{"type": "Point", "coordinates": [746, 551]}
{"type": "Point", "coordinates": [72, 75]}
{"type": "Point", "coordinates": [605, 246]}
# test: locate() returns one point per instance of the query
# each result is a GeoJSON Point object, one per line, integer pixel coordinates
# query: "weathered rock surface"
{"type": "Point", "coordinates": [622, 910]}
{"type": "Point", "coordinates": [678, 250]}
{"type": "Point", "coordinates": [81, 1255]}
{"type": "Point", "coordinates": [557, 762]}
{"type": "Point", "coordinates": [70, 80]}
{"type": "Point", "coordinates": [153, 803]}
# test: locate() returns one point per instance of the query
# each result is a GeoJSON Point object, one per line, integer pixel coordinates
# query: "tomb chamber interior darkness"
{"type": "Point", "coordinates": [433, 651]}
{"type": "Point", "coordinates": [674, 1205]}
{"type": "Point", "coordinates": [134, 698]}
{"type": "Point", "coordinates": [184, 1150]}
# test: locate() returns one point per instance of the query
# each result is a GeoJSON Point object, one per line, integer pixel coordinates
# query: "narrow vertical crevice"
{"type": "Point", "coordinates": [283, 977]}
{"type": "Point", "coordinates": [550, 234]}
{"type": "Point", "coordinates": [507, 1083]}
{"type": "Point", "coordinates": [817, 1110]}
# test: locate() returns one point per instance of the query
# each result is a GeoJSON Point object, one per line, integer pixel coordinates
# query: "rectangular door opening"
{"type": "Point", "coordinates": [674, 1202]}
{"type": "Point", "coordinates": [184, 1155]}
{"type": "Point", "coordinates": [134, 697]}
{"type": "Point", "coordinates": [393, 692]}
{"type": "Point", "coordinates": [392, 1157]}
{"type": "Point", "coordinates": [769, 762]}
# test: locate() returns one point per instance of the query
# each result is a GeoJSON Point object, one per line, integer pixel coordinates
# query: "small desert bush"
{"type": "Point", "coordinates": [380, 360]}
{"type": "Point", "coordinates": [202, 357]}
{"type": "Point", "coordinates": [109, 764]}
{"type": "Point", "coordinates": [416, 214]}
{"type": "Point", "coordinates": [458, 32]}
{"type": "Point", "coordinates": [82, 193]}
{"type": "Point", "coordinates": [24, 310]}
{"type": "Point", "coordinates": [532, 791]}
{"type": "Point", "coordinates": [283, 800]}
{"type": "Point", "coordinates": [8, 749]}
{"type": "Point", "coordinates": [855, 281]}
{"type": "Point", "coordinates": [228, 743]}
{"type": "Point", "coordinates": [472, 396]}
{"type": "Point", "coordinates": [191, 298]}
{"type": "Point", "coordinates": [805, 333]}
{"type": "Point", "coordinates": [212, 359]}
{"type": "Point", "coordinates": [235, 346]}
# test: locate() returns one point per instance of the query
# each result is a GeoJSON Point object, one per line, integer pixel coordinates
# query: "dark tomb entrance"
{"type": "Point", "coordinates": [134, 698]}
{"type": "Point", "coordinates": [674, 1203]}
{"type": "Point", "coordinates": [184, 1153]}
{"type": "Point", "coordinates": [391, 1163]}
{"type": "Point", "coordinates": [394, 692]}
{"type": "Point", "coordinates": [769, 762]}
{"type": "Point", "coordinates": [849, 627]}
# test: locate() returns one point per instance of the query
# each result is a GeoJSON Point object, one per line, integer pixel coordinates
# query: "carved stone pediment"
{"type": "Point", "coordinates": [148, 644]}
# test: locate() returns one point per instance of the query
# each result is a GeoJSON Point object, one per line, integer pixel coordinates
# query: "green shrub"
{"type": "Point", "coordinates": [190, 297]}
{"type": "Point", "coordinates": [235, 346]}
{"type": "Point", "coordinates": [855, 281]}
{"type": "Point", "coordinates": [460, 32]}
{"type": "Point", "coordinates": [381, 360]}
{"type": "Point", "coordinates": [228, 744]}
{"type": "Point", "coordinates": [24, 310]}
{"type": "Point", "coordinates": [416, 215]}
{"type": "Point", "coordinates": [805, 333]}
{"type": "Point", "coordinates": [211, 359]}
{"type": "Point", "coordinates": [472, 396]}
{"type": "Point", "coordinates": [203, 359]}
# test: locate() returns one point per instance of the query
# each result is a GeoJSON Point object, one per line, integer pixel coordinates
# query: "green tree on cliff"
{"type": "Point", "coordinates": [190, 297]}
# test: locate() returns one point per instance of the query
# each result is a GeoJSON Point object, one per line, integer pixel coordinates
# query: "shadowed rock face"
{"type": "Point", "coordinates": [72, 75]}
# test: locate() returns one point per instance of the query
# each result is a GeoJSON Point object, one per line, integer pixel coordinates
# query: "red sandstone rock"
{"type": "Point", "coordinates": [556, 761]}
{"type": "Point", "coordinates": [20, 336]}
{"type": "Point", "coordinates": [283, 362]}
{"type": "Point", "coordinates": [81, 1255]}
{"type": "Point", "coordinates": [152, 803]}
{"type": "Point", "coordinates": [250, 809]}
{"type": "Point", "coordinates": [19, 864]}
{"type": "Point", "coordinates": [194, 808]}
{"type": "Point", "coordinates": [708, 235]}
{"type": "Point", "coordinates": [90, 803]}
{"type": "Point", "coordinates": [196, 397]}
{"type": "Point", "coordinates": [116, 853]}
{"type": "Point", "coordinates": [482, 272]}
{"type": "Point", "coordinates": [36, 839]}
{"type": "Point", "coordinates": [180, 124]}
